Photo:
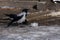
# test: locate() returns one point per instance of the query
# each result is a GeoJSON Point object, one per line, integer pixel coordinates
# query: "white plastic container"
{"type": "Point", "coordinates": [34, 24]}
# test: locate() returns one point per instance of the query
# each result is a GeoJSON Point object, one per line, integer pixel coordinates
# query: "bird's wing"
{"type": "Point", "coordinates": [22, 13]}
{"type": "Point", "coordinates": [18, 17]}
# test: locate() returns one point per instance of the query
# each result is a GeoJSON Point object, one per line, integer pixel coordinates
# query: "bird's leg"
{"type": "Point", "coordinates": [25, 22]}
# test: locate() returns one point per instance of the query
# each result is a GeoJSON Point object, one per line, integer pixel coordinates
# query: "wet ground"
{"type": "Point", "coordinates": [30, 33]}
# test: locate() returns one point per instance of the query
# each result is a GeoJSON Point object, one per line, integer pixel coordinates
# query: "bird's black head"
{"type": "Point", "coordinates": [25, 10]}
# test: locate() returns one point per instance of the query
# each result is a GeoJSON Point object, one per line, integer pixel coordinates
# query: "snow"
{"type": "Point", "coordinates": [30, 33]}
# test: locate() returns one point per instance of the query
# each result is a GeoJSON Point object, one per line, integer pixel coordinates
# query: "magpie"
{"type": "Point", "coordinates": [19, 18]}
{"type": "Point", "coordinates": [55, 1]}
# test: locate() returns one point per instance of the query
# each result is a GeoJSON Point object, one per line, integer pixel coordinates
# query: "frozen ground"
{"type": "Point", "coordinates": [30, 33]}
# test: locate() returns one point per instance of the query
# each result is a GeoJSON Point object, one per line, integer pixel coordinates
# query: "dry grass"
{"type": "Point", "coordinates": [41, 17]}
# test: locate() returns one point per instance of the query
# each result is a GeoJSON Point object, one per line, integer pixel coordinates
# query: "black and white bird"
{"type": "Point", "coordinates": [19, 18]}
{"type": "Point", "coordinates": [55, 1]}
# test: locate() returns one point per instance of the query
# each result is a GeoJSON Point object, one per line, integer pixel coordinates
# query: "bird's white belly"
{"type": "Point", "coordinates": [21, 20]}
